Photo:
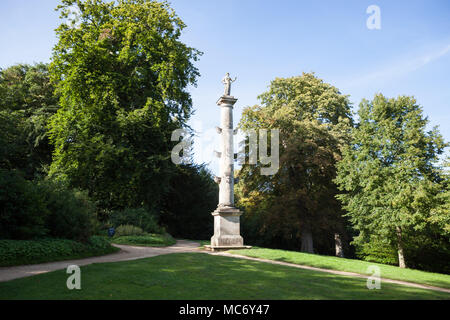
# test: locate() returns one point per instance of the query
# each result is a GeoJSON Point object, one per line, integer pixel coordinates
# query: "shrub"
{"type": "Point", "coordinates": [430, 252]}
{"type": "Point", "coordinates": [140, 217]}
{"type": "Point", "coordinates": [18, 252]}
{"type": "Point", "coordinates": [23, 211]}
{"type": "Point", "coordinates": [72, 215]}
{"type": "Point", "coordinates": [43, 208]}
{"type": "Point", "coordinates": [150, 240]}
{"type": "Point", "coordinates": [128, 230]}
{"type": "Point", "coordinates": [377, 251]}
{"type": "Point", "coordinates": [423, 251]}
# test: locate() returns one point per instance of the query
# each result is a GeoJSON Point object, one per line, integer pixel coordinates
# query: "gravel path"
{"type": "Point", "coordinates": [126, 253]}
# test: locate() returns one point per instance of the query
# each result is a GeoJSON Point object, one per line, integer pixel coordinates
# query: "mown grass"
{"type": "Point", "coordinates": [350, 265]}
{"type": "Point", "coordinates": [203, 276]}
{"type": "Point", "coordinates": [148, 240]}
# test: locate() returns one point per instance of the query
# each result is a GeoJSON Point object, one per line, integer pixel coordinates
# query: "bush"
{"type": "Point", "coordinates": [128, 230]}
{"type": "Point", "coordinates": [140, 217]}
{"type": "Point", "coordinates": [23, 210]}
{"type": "Point", "coordinates": [18, 252]}
{"type": "Point", "coordinates": [72, 215]}
{"type": "Point", "coordinates": [423, 251]}
{"type": "Point", "coordinates": [43, 208]}
{"type": "Point", "coordinates": [428, 251]}
{"type": "Point", "coordinates": [377, 251]}
{"type": "Point", "coordinates": [149, 240]}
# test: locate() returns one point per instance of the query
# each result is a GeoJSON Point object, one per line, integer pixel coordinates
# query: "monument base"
{"type": "Point", "coordinates": [224, 248]}
{"type": "Point", "coordinates": [226, 230]}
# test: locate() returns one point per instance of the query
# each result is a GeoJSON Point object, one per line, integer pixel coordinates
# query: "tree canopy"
{"type": "Point", "coordinates": [123, 74]}
{"type": "Point", "coordinates": [388, 172]}
{"type": "Point", "coordinates": [314, 120]}
{"type": "Point", "coordinates": [27, 101]}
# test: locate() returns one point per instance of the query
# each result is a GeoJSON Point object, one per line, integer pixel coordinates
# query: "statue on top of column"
{"type": "Point", "coordinates": [227, 81]}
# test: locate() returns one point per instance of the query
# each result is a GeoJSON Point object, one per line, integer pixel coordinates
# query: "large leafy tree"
{"type": "Point", "coordinates": [27, 101]}
{"type": "Point", "coordinates": [296, 207]}
{"type": "Point", "coordinates": [388, 172]}
{"type": "Point", "coordinates": [122, 73]}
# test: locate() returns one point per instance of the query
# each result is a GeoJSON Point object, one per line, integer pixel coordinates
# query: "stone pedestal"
{"type": "Point", "coordinates": [227, 228]}
{"type": "Point", "coordinates": [227, 233]}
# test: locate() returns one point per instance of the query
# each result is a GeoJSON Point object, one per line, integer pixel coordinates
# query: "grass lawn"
{"type": "Point", "coordinates": [351, 265]}
{"type": "Point", "coordinates": [203, 276]}
{"type": "Point", "coordinates": [149, 240]}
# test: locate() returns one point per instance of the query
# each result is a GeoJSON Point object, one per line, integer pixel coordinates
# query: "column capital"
{"type": "Point", "coordinates": [229, 100]}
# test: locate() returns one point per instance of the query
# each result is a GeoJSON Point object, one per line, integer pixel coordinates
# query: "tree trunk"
{"type": "Point", "coordinates": [401, 256]}
{"type": "Point", "coordinates": [307, 241]}
{"type": "Point", "coordinates": [338, 245]}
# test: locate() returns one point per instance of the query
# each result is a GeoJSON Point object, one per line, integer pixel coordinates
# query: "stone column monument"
{"type": "Point", "coordinates": [226, 216]}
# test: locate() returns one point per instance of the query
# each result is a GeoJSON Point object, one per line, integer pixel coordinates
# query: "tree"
{"type": "Point", "coordinates": [27, 101]}
{"type": "Point", "coordinates": [122, 73]}
{"type": "Point", "coordinates": [440, 214]}
{"type": "Point", "coordinates": [297, 204]}
{"type": "Point", "coordinates": [192, 198]}
{"type": "Point", "coordinates": [388, 174]}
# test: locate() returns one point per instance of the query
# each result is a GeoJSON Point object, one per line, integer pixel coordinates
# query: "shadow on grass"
{"type": "Point", "coordinates": [349, 265]}
{"type": "Point", "coordinates": [203, 276]}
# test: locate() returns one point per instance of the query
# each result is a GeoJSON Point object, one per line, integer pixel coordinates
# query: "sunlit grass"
{"type": "Point", "coordinates": [203, 276]}
{"type": "Point", "coordinates": [350, 265]}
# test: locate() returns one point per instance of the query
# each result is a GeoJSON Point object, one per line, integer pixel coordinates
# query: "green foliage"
{"type": "Point", "coordinates": [192, 196]}
{"type": "Point", "coordinates": [427, 251]}
{"type": "Point", "coordinates": [19, 252]}
{"type": "Point", "coordinates": [43, 208]}
{"type": "Point", "coordinates": [27, 101]}
{"type": "Point", "coordinates": [23, 212]}
{"type": "Point", "coordinates": [440, 214]}
{"type": "Point", "coordinates": [33, 209]}
{"type": "Point", "coordinates": [128, 230]}
{"type": "Point", "coordinates": [314, 120]}
{"type": "Point", "coordinates": [71, 212]}
{"type": "Point", "coordinates": [305, 97]}
{"type": "Point", "coordinates": [378, 251]}
{"type": "Point", "coordinates": [388, 173]}
{"type": "Point", "coordinates": [123, 74]}
{"type": "Point", "coordinates": [140, 217]}
{"type": "Point", "coordinates": [147, 240]}
{"type": "Point", "coordinates": [12, 140]}
{"type": "Point", "coordinates": [25, 87]}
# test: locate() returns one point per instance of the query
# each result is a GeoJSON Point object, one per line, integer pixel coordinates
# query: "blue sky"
{"type": "Point", "coordinates": [260, 40]}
